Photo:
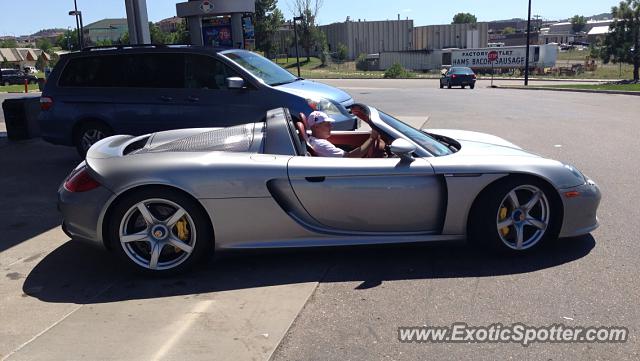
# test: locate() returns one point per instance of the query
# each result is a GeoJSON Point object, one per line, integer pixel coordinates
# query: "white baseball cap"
{"type": "Point", "coordinates": [317, 117]}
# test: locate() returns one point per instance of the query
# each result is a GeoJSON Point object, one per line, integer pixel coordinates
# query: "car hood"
{"type": "Point", "coordinates": [482, 144]}
{"type": "Point", "coordinates": [312, 89]}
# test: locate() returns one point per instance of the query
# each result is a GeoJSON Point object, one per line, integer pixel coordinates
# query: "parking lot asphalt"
{"type": "Point", "coordinates": [63, 300]}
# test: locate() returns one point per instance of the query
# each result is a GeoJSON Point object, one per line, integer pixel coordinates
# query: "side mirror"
{"type": "Point", "coordinates": [235, 82]}
{"type": "Point", "coordinates": [402, 148]}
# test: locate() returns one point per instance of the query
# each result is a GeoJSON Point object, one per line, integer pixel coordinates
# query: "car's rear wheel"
{"type": "Point", "coordinates": [472, 86]}
{"type": "Point", "coordinates": [464, 86]}
{"type": "Point", "coordinates": [158, 231]}
{"type": "Point", "coordinates": [6, 83]}
{"type": "Point", "coordinates": [88, 134]}
{"type": "Point", "coordinates": [441, 85]}
{"type": "Point", "coordinates": [448, 85]}
{"type": "Point", "coordinates": [515, 215]}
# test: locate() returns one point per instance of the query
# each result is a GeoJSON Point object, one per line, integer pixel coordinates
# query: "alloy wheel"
{"type": "Point", "coordinates": [523, 217]}
{"type": "Point", "coordinates": [157, 234]}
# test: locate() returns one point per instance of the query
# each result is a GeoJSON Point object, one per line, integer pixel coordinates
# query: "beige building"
{"type": "Point", "coordinates": [432, 37]}
{"type": "Point", "coordinates": [366, 37]}
{"type": "Point", "coordinates": [105, 29]}
{"type": "Point", "coordinates": [22, 57]}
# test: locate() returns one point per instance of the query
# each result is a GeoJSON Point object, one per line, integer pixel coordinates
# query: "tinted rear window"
{"type": "Point", "coordinates": [462, 71]}
{"type": "Point", "coordinates": [95, 71]}
{"type": "Point", "coordinates": [153, 70]}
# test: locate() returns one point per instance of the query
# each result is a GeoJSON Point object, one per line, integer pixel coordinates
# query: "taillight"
{"type": "Point", "coordinates": [453, 76]}
{"type": "Point", "coordinates": [46, 103]}
{"type": "Point", "coordinates": [80, 181]}
{"type": "Point", "coordinates": [474, 76]}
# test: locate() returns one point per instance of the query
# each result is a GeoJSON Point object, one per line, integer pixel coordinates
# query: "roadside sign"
{"type": "Point", "coordinates": [492, 56]}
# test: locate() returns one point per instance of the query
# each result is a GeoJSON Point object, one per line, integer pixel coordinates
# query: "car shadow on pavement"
{"type": "Point", "coordinates": [32, 173]}
{"type": "Point", "coordinates": [82, 274]}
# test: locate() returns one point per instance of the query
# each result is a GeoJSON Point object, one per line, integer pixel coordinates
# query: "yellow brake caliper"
{"type": "Point", "coordinates": [503, 216]}
{"type": "Point", "coordinates": [183, 232]}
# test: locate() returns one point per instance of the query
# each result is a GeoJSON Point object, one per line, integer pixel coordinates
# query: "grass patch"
{"type": "Point", "coordinates": [623, 87]}
{"type": "Point", "coordinates": [17, 88]}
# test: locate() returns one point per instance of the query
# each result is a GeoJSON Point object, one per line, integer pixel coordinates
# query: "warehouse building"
{"type": "Point", "coordinates": [461, 36]}
{"type": "Point", "coordinates": [366, 37]}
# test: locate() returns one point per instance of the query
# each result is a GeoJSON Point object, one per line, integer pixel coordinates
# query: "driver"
{"type": "Point", "coordinates": [320, 125]}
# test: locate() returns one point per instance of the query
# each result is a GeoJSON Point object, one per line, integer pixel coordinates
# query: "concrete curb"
{"type": "Point", "coordinates": [593, 91]}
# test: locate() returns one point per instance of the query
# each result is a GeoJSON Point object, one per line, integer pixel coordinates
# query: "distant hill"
{"type": "Point", "coordinates": [48, 32]}
{"type": "Point", "coordinates": [603, 16]}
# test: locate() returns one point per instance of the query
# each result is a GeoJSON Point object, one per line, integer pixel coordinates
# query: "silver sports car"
{"type": "Point", "coordinates": [166, 200]}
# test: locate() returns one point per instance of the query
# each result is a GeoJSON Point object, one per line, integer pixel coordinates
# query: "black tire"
{"type": "Point", "coordinates": [88, 134]}
{"type": "Point", "coordinates": [6, 83]}
{"type": "Point", "coordinates": [464, 86]}
{"type": "Point", "coordinates": [487, 210]}
{"type": "Point", "coordinates": [472, 86]}
{"type": "Point", "coordinates": [448, 85]}
{"type": "Point", "coordinates": [202, 243]}
{"type": "Point", "coordinates": [441, 85]}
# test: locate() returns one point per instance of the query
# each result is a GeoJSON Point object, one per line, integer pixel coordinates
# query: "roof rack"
{"type": "Point", "coordinates": [123, 46]}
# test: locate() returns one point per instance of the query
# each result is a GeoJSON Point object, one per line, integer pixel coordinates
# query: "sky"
{"type": "Point", "coordinates": [16, 19]}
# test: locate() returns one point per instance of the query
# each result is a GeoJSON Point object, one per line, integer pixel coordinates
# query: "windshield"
{"type": "Point", "coordinates": [424, 140]}
{"type": "Point", "coordinates": [261, 67]}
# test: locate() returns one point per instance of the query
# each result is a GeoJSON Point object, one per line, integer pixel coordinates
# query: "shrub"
{"type": "Point", "coordinates": [361, 62]}
{"type": "Point", "coordinates": [341, 52]}
{"type": "Point", "coordinates": [397, 71]}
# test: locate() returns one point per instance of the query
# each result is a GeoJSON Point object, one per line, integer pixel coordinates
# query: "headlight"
{"type": "Point", "coordinates": [323, 105]}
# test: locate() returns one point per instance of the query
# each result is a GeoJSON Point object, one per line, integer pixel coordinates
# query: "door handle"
{"type": "Point", "coordinates": [193, 99]}
{"type": "Point", "coordinates": [165, 98]}
{"type": "Point", "coordinates": [315, 179]}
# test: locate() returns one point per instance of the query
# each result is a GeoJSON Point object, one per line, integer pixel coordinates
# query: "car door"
{"type": "Point", "coordinates": [369, 195]}
{"type": "Point", "coordinates": [207, 100]}
{"type": "Point", "coordinates": [149, 97]}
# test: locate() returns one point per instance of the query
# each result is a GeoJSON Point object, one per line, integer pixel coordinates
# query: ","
{"type": "Point", "coordinates": [166, 200]}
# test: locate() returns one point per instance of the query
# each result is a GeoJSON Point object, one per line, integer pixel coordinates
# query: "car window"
{"type": "Point", "coordinates": [205, 72]}
{"type": "Point", "coordinates": [423, 139]}
{"type": "Point", "coordinates": [153, 70]}
{"type": "Point", "coordinates": [261, 67]}
{"type": "Point", "coordinates": [462, 71]}
{"type": "Point", "coordinates": [93, 71]}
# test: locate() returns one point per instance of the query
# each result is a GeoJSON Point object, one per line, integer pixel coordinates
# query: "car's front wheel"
{"type": "Point", "coordinates": [160, 231]}
{"type": "Point", "coordinates": [515, 215]}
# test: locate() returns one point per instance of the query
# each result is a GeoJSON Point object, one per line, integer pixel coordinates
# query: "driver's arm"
{"type": "Point", "coordinates": [364, 148]}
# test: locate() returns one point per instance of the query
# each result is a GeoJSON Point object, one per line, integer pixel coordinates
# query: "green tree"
{"type": "Point", "coordinates": [157, 35]}
{"type": "Point", "coordinates": [124, 39]}
{"type": "Point", "coordinates": [267, 20]}
{"type": "Point", "coordinates": [68, 40]}
{"type": "Point", "coordinates": [43, 44]}
{"type": "Point", "coordinates": [622, 44]}
{"type": "Point", "coordinates": [578, 23]}
{"type": "Point", "coordinates": [180, 36]}
{"type": "Point", "coordinates": [8, 43]}
{"type": "Point", "coordinates": [508, 30]}
{"type": "Point", "coordinates": [308, 10]}
{"type": "Point", "coordinates": [464, 18]}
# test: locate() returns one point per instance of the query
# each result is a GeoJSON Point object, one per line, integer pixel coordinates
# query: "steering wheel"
{"type": "Point", "coordinates": [379, 147]}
